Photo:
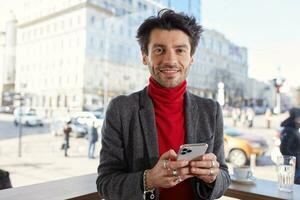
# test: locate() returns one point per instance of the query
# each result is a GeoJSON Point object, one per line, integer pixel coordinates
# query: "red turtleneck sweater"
{"type": "Point", "coordinates": [170, 124]}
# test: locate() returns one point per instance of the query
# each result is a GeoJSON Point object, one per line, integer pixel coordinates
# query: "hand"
{"type": "Point", "coordinates": [207, 168]}
{"type": "Point", "coordinates": [168, 172]}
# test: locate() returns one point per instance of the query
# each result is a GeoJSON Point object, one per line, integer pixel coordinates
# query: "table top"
{"type": "Point", "coordinates": [261, 189]}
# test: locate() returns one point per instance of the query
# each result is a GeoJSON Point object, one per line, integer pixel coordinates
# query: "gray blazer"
{"type": "Point", "coordinates": [129, 145]}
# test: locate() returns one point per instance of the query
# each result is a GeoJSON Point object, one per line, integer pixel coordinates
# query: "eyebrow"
{"type": "Point", "coordinates": [176, 46]}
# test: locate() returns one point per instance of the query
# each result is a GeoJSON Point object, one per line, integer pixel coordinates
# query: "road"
{"type": "Point", "coordinates": [42, 160]}
{"type": "Point", "coordinates": [9, 130]}
{"type": "Point", "coordinates": [265, 167]}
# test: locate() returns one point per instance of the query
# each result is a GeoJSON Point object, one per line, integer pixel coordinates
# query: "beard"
{"type": "Point", "coordinates": [172, 82]}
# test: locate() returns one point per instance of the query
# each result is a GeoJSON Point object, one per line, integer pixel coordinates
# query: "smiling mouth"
{"type": "Point", "coordinates": [169, 71]}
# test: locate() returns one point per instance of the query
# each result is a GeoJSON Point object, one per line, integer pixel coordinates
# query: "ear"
{"type": "Point", "coordinates": [145, 58]}
{"type": "Point", "coordinates": [192, 60]}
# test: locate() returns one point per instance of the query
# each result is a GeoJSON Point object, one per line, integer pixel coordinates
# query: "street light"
{"type": "Point", "coordinates": [20, 98]}
{"type": "Point", "coordinates": [221, 96]}
{"type": "Point", "coordinates": [278, 83]}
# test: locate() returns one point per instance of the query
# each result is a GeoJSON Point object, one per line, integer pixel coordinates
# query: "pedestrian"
{"type": "Point", "coordinates": [93, 138]}
{"type": "Point", "coordinates": [235, 116]}
{"type": "Point", "coordinates": [290, 139]}
{"type": "Point", "coordinates": [244, 116]}
{"type": "Point", "coordinates": [143, 131]}
{"type": "Point", "coordinates": [250, 114]}
{"type": "Point", "coordinates": [268, 117]}
{"type": "Point", "coordinates": [5, 182]}
{"type": "Point", "coordinates": [67, 130]}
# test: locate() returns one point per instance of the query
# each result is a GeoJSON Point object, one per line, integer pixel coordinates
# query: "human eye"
{"type": "Point", "coordinates": [180, 50]}
{"type": "Point", "coordinates": [158, 50]}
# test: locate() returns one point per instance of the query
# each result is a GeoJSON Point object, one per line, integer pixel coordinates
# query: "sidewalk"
{"type": "Point", "coordinates": [42, 160]}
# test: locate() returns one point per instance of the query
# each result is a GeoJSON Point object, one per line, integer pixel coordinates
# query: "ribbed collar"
{"type": "Point", "coordinates": [166, 95]}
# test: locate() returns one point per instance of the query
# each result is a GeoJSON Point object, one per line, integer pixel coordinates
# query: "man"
{"type": "Point", "coordinates": [93, 138]}
{"type": "Point", "coordinates": [67, 130]}
{"type": "Point", "coordinates": [290, 139]}
{"type": "Point", "coordinates": [143, 131]}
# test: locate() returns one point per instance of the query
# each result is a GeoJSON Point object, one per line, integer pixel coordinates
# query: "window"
{"type": "Point", "coordinates": [54, 27]}
{"type": "Point", "coordinates": [43, 101]}
{"type": "Point", "coordinates": [140, 5]}
{"type": "Point", "coordinates": [70, 22]}
{"type": "Point", "coordinates": [92, 42]}
{"type": "Point", "coordinates": [92, 20]}
{"type": "Point", "coordinates": [50, 101]}
{"type": "Point", "coordinates": [62, 25]}
{"type": "Point", "coordinates": [57, 100]}
{"type": "Point", "coordinates": [78, 19]}
{"type": "Point", "coordinates": [66, 101]}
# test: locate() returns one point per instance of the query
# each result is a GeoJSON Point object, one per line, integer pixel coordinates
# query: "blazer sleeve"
{"type": "Point", "coordinates": [114, 182]}
{"type": "Point", "coordinates": [222, 182]}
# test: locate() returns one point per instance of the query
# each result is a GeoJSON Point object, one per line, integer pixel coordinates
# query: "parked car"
{"type": "Point", "coordinates": [27, 116]}
{"type": "Point", "coordinates": [239, 146]}
{"type": "Point", "coordinates": [87, 118]}
{"type": "Point", "coordinates": [58, 123]}
{"type": "Point", "coordinates": [80, 123]}
{"type": "Point", "coordinates": [6, 109]}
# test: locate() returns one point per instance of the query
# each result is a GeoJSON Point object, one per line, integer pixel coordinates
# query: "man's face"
{"type": "Point", "coordinates": [169, 57]}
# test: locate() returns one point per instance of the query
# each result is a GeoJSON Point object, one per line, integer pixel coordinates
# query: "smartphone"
{"type": "Point", "coordinates": [191, 151]}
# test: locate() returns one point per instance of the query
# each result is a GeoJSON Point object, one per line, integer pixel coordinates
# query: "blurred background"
{"type": "Point", "coordinates": [63, 60]}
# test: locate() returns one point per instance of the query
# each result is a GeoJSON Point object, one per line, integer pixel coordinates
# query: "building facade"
{"type": "Point", "coordinates": [218, 60]}
{"type": "Point", "coordinates": [77, 54]}
{"type": "Point", "coordinates": [259, 94]}
{"type": "Point", "coordinates": [2, 47]}
{"type": "Point", "coordinates": [8, 60]}
{"type": "Point", "coordinates": [191, 7]}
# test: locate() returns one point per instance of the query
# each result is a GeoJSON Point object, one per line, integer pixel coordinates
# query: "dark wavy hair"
{"type": "Point", "coordinates": [169, 20]}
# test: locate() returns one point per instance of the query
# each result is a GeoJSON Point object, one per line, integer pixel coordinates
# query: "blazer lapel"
{"type": "Point", "coordinates": [191, 118]}
{"type": "Point", "coordinates": [147, 118]}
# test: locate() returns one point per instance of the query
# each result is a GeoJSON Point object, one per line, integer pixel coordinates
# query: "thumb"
{"type": "Point", "coordinates": [171, 154]}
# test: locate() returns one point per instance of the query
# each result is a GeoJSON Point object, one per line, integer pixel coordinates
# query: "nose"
{"type": "Point", "coordinates": [170, 58]}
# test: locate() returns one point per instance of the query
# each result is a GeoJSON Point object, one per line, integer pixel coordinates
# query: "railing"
{"type": "Point", "coordinates": [84, 188]}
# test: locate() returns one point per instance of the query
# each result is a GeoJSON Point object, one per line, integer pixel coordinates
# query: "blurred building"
{"type": "Point", "coordinates": [2, 47]}
{"type": "Point", "coordinates": [8, 60]}
{"type": "Point", "coordinates": [259, 95]}
{"type": "Point", "coordinates": [191, 7]}
{"type": "Point", "coordinates": [218, 60]}
{"type": "Point", "coordinates": [295, 96]}
{"type": "Point", "coordinates": [77, 54]}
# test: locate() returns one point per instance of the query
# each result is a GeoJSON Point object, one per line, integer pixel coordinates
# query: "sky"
{"type": "Point", "coordinates": [269, 29]}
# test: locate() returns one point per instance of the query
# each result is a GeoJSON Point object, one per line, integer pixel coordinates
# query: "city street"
{"type": "Point", "coordinates": [42, 160]}
{"type": "Point", "coordinates": [9, 130]}
{"type": "Point", "coordinates": [265, 167]}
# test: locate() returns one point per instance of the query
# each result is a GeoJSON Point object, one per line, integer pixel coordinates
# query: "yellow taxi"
{"type": "Point", "coordinates": [239, 146]}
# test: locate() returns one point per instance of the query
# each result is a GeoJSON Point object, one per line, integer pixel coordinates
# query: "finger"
{"type": "Point", "coordinates": [205, 172]}
{"type": "Point", "coordinates": [205, 164]}
{"type": "Point", "coordinates": [178, 164]}
{"type": "Point", "coordinates": [171, 154]}
{"type": "Point", "coordinates": [200, 171]}
{"type": "Point", "coordinates": [180, 171]}
{"type": "Point", "coordinates": [209, 156]}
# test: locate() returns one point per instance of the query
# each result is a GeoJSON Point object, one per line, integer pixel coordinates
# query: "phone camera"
{"type": "Point", "coordinates": [185, 151]}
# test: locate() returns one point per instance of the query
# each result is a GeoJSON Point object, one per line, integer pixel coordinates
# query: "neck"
{"type": "Point", "coordinates": [166, 95]}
